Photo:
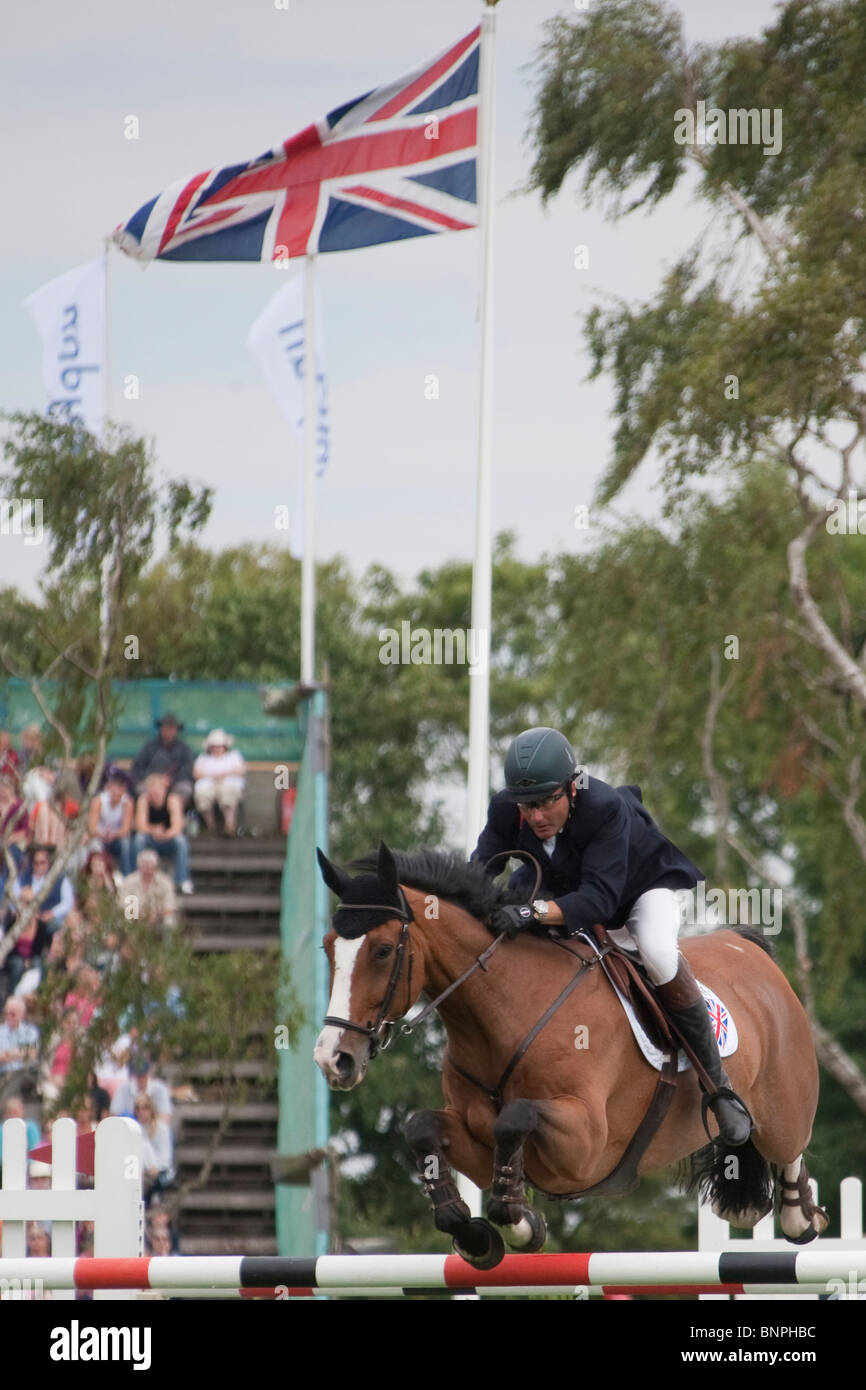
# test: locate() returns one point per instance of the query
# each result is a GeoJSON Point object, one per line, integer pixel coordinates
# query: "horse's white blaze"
{"type": "Point", "coordinates": [328, 1042]}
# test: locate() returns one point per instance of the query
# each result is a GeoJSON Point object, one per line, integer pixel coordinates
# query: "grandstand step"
{"type": "Point", "coordinates": [231, 905]}
{"type": "Point", "coordinates": [234, 1245]}
{"type": "Point", "coordinates": [227, 1199]}
{"type": "Point", "coordinates": [216, 941]}
{"type": "Point", "coordinates": [253, 1112]}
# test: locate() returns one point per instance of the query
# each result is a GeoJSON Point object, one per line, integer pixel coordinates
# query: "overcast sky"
{"type": "Point", "coordinates": [217, 81]}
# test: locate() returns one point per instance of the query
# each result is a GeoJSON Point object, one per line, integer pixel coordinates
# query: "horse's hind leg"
{"type": "Point", "coordinates": [524, 1227]}
{"type": "Point", "coordinates": [431, 1135]}
{"type": "Point", "coordinates": [800, 1218]}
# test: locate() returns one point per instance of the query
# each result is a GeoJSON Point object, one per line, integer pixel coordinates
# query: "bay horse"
{"type": "Point", "coordinates": [566, 1113]}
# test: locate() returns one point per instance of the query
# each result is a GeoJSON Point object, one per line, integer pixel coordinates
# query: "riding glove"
{"type": "Point", "coordinates": [512, 919]}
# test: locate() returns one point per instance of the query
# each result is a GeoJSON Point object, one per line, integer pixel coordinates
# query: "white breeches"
{"type": "Point", "coordinates": [652, 929]}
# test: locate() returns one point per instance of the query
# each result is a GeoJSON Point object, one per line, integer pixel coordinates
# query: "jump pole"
{"type": "Point", "coordinates": [687, 1270]}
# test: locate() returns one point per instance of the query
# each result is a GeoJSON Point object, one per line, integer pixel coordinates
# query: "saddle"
{"type": "Point", "coordinates": [631, 980]}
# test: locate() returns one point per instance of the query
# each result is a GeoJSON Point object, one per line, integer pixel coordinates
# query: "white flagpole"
{"type": "Point", "coordinates": [108, 561]}
{"type": "Point", "coordinates": [479, 684]}
{"type": "Point", "coordinates": [308, 559]}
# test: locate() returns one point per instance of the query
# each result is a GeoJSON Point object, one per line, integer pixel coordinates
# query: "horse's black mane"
{"type": "Point", "coordinates": [448, 876]}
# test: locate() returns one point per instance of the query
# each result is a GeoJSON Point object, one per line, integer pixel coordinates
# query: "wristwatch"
{"type": "Point", "coordinates": [541, 909]}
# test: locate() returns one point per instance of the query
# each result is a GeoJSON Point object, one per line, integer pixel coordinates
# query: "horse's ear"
{"type": "Point", "coordinates": [335, 878]}
{"type": "Point", "coordinates": [387, 868]}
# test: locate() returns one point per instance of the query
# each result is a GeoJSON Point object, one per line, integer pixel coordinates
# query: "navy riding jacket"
{"type": "Point", "coordinates": [607, 854]}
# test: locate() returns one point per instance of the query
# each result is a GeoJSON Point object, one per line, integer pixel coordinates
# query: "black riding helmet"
{"type": "Point", "coordinates": [537, 764]}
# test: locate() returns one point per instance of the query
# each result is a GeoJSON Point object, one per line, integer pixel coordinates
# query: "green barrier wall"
{"type": "Point", "coordinates": [236, 706]}
{"type": "Point", "coordinates": [302, 1209]}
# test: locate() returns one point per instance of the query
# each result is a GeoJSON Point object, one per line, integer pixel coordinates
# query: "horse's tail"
{"type": "Point", "coordinates": [739, 1184]}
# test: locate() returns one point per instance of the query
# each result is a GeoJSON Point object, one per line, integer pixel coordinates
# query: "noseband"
{"type": "Point", "coordinates": [379, 1033]}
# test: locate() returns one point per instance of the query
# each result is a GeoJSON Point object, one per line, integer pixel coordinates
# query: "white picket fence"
{"type": "Point", "coordinates": [114, 1204]}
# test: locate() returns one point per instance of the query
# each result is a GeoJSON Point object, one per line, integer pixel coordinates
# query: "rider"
{"type": "Point", "coordinates": [603, 859]}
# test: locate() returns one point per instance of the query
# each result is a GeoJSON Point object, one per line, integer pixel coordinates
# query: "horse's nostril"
{"type": "Point", "coordinates": [345, 1065]}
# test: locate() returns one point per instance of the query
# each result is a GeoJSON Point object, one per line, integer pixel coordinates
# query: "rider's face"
{"type": "Point", "coordinates": [546, 820]}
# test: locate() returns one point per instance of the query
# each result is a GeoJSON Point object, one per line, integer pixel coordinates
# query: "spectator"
{"type": "Point", "coordinates": [38, 1239]}
{"type": "Point", "coordinates": [96, 887]}
{"type": "Point", "coordinates": [160, 1237]}
{"type": "Point", "coordinates": [110, 820]}
{"type": "Point", "coordinates": [31, 747]}
{"type": "Point", "coordinates": [100, 1099]}
{"type": "Point", "coordinates": [62, 1055]}
{"type": "Point", "coordinates": [84, 995]}
{"type": "Point", "coordinates": [19, 1046]}
{"type": "Point", "coordinates": [150, 891]}
{"type": "Point", "coordinates": [40, 1173]}
{"type": "Point", "coordinates": [9, 760]}
{"type": "Point", "coordinates": [60, 898]}
{"type": "Point", "coordinates": [13, 1109]}
{"type": "Point", "coordinates": [50, 817]}
{"type": "Point", "coordinates": [169, 751]}
{"type": "Point", "coordinates": [159, 826]}
{"type": "Point", "coordinates": [14, 821]}
{"type": "Point", "coordinates": [141, 1082]}
{"type": "Point", "coordinates": [25, 957]}
{"type": "Point", "coordinates": [157, 1147]}
{"type": "Point", "coordinates": [219, 780]}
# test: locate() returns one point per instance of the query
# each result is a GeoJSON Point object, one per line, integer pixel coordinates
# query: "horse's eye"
{"type": "Point", "coordinates": [382, 952]}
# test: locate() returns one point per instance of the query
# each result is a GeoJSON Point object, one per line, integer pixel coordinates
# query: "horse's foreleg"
{"type": "Point", "coordinates": [525, 1228]}
{"type": "Point", "coordinates": [434, 1136]}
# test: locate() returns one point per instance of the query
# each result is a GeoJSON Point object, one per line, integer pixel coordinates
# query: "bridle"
{"type": "Point", "coordinates": [379, 1032]}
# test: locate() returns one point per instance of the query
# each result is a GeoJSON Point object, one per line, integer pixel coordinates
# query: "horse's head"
{"type": "Point", "coordinates": [371, 957]}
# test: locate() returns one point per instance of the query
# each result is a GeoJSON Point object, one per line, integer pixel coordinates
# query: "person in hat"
{"type": "Point", "coordinates": [603, 860]}
{"type": "Point", "coordinates": [166, 752]}
{"type": "Point", "coordinates": [219, 780]}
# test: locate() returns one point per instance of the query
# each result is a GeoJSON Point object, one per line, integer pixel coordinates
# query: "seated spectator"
{"type": "Point", "coordinates": [150, 892]}
{"type": "Point", "coordinates": [110, 820]}
{"type": "Point", "coordinates": [38, 1239]}
{"type": "Point", "coordinates": [159, 826]}
{"type": "Point", "coordinates": [13, 1109]}
{"type": "Point", "coordinates": [219, 780]}
{"type": "Point", "coordinates": [40, 1173]}
{"type": "Point", "coordinates": [100, 1099]}
{"type": "Point", "coordinates": [19, 1047]}
{"type": "Point", "coordinates": [31, 747]}
{"type": "Point", "coordinates": [60, 898]}
{"type": "Point", "coordinates": [61, 1055]}
{"type": "Point", "coordinates": [9, 760]}
{"type": "Point", "coordinates": [168, 752]}
{"type": "Point", "coordinates": [14, 821]}
{"type": "Point", "coordinates": [112, 1068]}
{"type": "Point", "coordinates": [84, 995]}
{"type": "Point", "coordinates": [49, 819]}
{"type": "Point", "coordinates": [157, 1147]}
{"type": "Point", "coordinates": [141, 1082]}
{"type": "Point", "coordinates": [96, 886]}
{"type": "Point", "coordinates": [22, 968]}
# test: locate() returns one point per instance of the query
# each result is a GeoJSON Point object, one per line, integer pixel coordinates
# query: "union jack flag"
{"type": "Point", "coordinates": [718, 1018]}
{"type": "Point", "coordinates": [398, 162]}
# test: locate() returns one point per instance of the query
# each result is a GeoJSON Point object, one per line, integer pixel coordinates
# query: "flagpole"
{"type": "Point", "coordinates": [479, 683]}
{"type": "Point", "coordinates": [108, 559]}
{"type": "Point", "coordinates": [308, 559]}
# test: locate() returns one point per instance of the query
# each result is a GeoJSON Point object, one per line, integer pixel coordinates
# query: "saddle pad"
{"type": "Point", "coordinates": [723, 1025]}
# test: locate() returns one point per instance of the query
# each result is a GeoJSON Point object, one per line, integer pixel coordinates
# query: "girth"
{"type": "Point", "coordinates": [624, 1176]}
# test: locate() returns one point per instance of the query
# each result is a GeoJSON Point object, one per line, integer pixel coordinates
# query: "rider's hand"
{"type": "Point", "coordinates": [512, 919]}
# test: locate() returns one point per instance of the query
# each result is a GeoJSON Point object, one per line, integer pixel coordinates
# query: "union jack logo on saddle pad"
{"type": "Point", "coordinates": [398, 162]}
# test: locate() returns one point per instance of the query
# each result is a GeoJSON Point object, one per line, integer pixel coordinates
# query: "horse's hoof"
{"type": "Point", "coordinates": [488, 1245]}
{"type": "Point", "coordinates": [529, 1235]}
{"type": "Point", "coordinates": [805, 1238]}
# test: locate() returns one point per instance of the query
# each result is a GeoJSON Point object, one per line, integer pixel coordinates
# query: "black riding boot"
{"type": "Point", "coordinates": [687, 1007]}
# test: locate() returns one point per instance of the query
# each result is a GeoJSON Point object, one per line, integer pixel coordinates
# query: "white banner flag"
{"type": "Point", "coordinates": [69, 314]}
{"type": "Point", "coordinates": [276, 340]}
